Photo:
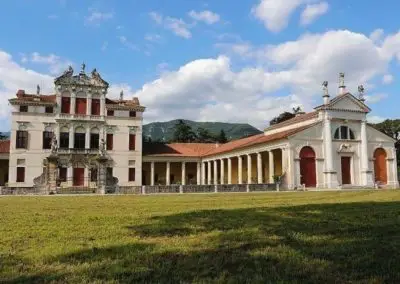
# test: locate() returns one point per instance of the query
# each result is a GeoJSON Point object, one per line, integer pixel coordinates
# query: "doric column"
{"type": "Point", "coordinates": [152, 173]}
{"type": "Point", "coordinates": [87, 137]}
{"type": "Point", "coordinates": [73, 102]}
{"type": "Point", "coordinates": [89, 104]}
{"type": "Point", "coordinates": [271, 168]}
{"type": "Point", "coordinates": [203, 173]}
{"type": "Point", "coordinates": [229, 171]}
{"type": "Point", "coordinates": [183, 173]}
{"type": "Point", "coordinates": [102, 105]}
{"type": "Point", "coordinates": [71, 137]}
{"type": "Point", "coordinates": [198, 178]}
{"type": "Point", "coordinates": [240, 171]}
{"type": "Point", "coordinates": [366, 173]}
{"type": "Point", "coordinates": [209, 172]}
{"type": "Point", "coordinates": [222, 171]}
{"type": "Point", "coordinates": [330, 173]}
{"type": "Point", "coordinates": [259, 168]}
{"type": "Point", "coordinates": [215, 172]}
{"type": "Point", "coordinates": [249, 169]}
{"type": "Point", "coordinates": [168, 174]}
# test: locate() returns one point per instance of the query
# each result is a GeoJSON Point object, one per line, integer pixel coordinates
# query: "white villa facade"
{"type": "Point", "coordinates": [329, 148]}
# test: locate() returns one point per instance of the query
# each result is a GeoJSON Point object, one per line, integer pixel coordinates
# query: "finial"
{"type": "Point", "coordinates": [83, 66]}
{"type": "Point", "coordinates": [37, 90]}
{"type": "Point", "coordinates": [342, 87]}
{"type": "Point", "coordinates": [121, 95]}
{"type": "Point", "coordinates": [361, 91]}
{"type": "Point", "coordinates": [325, 88]}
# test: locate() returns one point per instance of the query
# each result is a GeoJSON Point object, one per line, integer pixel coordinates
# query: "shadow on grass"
{"type": "Point", "coordinates": [352, 242]}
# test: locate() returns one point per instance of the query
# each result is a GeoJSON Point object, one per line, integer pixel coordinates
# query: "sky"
{"type": "Point", "coordinates": [218, 60]}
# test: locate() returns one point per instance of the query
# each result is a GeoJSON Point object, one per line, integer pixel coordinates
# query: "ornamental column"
{"type": "Point", "coordinates": [259, 169]}
{"type": "Point", "coordinates": [271, 168]}
{"type": "Point", "coordinates": [73, 102]}
{"type": "Point", "coordinates": [215, 172]}
{"type": "Point", "coordinates": [222, 171]}
{"type": "Point", "coordinates": [330, 173]}
{"type": "Point", "coordinates": [71, 137]}
{"type": "Point", "coordinates": [167, 174]}
{"type": "Point", "coordinates": [152, 173]}
{"type": "Point", "coordinates": [87, 138]}
{"type": "Point", "coordinates": [102, 106]}
{"type": "Point", "coordinates": [198, 178]}
{"type": "Point", "coordinates": [229, 171]}
{"type": "Point", "coordinates": [366, 173]}
{"type": "Point", "coordinates": [209, 172]}
{"type": "Point", "coordinates": [203, 173]}
{"type": "Point", "coordinates": [89, 104]}
{"type": "Point", "coordinates": [240, 171]}
{"type": "Point", "coordinates": [183, 168]}
{"type": "Point", "coordinates": [249, 169]}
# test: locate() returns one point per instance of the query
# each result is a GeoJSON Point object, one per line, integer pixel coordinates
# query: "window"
{"type": "Point", "coordinates": [132, 140]}
{"type": "Point", "coordinates": [65, 105]}
{"type": "Point", "coordinates": [80, 106]}
{"type": "Point", "coordinates": [47, 136]}
{"type": "Point", "coordinates": [95, 107]}
{"type": "Point", "coordinates": [22, 139]}
{"type": "Point", "coordinates": [64, 140]}
{"type": "Point", "coordinates": [23, 108]}
{"type": "Point", "coordinates": [110, 112]}
{"type": "Point", "coordinates": [109, 172]}
{"type": "Point", "coordinates": [132, 114]}
{"type": "Point", "coordinates": [94, 141]}
{"type": "Point", "coordinates": [79, 142]}
{"type": "Point", "coordinates": [48, 109]}
{"type": "Point", "coordinates": [344, 133]}
{"type": "Point", "coordinates": [110, 141]}
{"type": "Point", "coordinates": [132, 174]}
{"type": "Point", "coordinates": [93, 175]}
{"type": "Point", "coordinates": [20, 174]}
{"type": "Point", "coordinates": [62, 172]}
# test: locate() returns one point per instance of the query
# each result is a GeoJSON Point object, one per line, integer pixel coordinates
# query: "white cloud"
{"type": "Point", "coordinates": [376, 35]}
{"type": "Point", "coordinates": [387, 79]}
{"type": "Point", "coordinates": [177, 26]}
{"type": "Point", "coordinates": [96, 17]}
{"type": "Point", "coordinates": [205, 16]}
{"type": "Point", "coordinates": [152, 37]}
{"type": "Point", "coordinates": [375, 98]}
{"type": "Point", "coordinates": [55, 63]}
{"type": "Point", "coordinates": [312, 12]}
{"type": "Point", "coordinates": [124, 40]}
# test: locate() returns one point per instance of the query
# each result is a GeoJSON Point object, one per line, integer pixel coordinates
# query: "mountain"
{"type": "Point", "coordinates": [163, 131]}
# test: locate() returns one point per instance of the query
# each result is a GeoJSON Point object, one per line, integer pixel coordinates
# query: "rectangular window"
{"type": "Point", "coordinates": [110, 141]}
{"type": "Point", "coordinates": [343, 132]}
{"type": "Point", "coordinates": [132, 114]}
{"type": "Point", "coordinates": [80, 106]}
{"type": "Point", "coordinates": [47, 136]}
{"type": "Point", "coordinates": [79, 142]}
{"type": "Point", "coordinates": [93, 175]}
{"type": "Point", "coordinates": [20, 174]}
{"type": "Point", "coordinates": [65, 104]}
{"type": "Point", "coordinates": [23, 108]}
{"type": "Point", "coordinates": [48, 109]}
{"type": "Point", "coordinates": [132, 141]}
{"type": "Point", "coordinates": [22, 139]}
{"type": "Point", "coordinates": [95, 107]}
{"type": "Point", "coordinates": [109, 172]}
{"type": "Point", "coordinates": [62, 172]}
{"type": "Point", "coordinates": [132, 173]}
{"type": "Point", "coordinates": [110, 112]}
{"type": "Point", "coordinates": [64, 140]}
{"type": "Point", "coordinates": [94, 141]}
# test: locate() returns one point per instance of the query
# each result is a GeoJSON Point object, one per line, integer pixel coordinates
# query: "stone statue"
{"type": "Point", "coordinates": [69, 72]}
{"type": "Point", "coordinates": [102, 147]}
{"type": "Point", "coordinates": [361, 89]}
{"type": "Point", "coordinates": [121, 95]}
{"type": "Point", "coordinates": [83, 66]}
{"type": "Point", "coordinates": [341, 79]}
{"type": "Point", "coordinates": [54, 145]}
{"type": "Point", "coordinates": [38, 90]}
{"type": "Point", "coordinates": [325, 88]}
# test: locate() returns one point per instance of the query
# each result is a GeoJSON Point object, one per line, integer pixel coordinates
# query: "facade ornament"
{"type": "Point", "coordinates": [54, 144]}
{"type": "Point", "coordinates": [83, 66]}
{"type": "Point", "coordinates": [325, 88]}
{"type": "Point", "coordinates": [361, 91]}
{"type": "Point", "coordinates": [121, 95]}
{"type": "Point", "coordinates": [345, 147]}
{"type": "Point", "coordinates": [69, 72]}
{"type": "Point", "coordinates": [37, 90]}
{"type": "Point", "coordinates": [342, 86]}
{"type": "Point", "coordinates": [102, 147]}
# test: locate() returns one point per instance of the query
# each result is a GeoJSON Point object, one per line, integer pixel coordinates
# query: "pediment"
{"type": "Point", "coordinates": [346, 102]}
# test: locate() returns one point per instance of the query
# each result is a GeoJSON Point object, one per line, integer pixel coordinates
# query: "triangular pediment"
{"type": "Point", "coordinates": [346, 102]}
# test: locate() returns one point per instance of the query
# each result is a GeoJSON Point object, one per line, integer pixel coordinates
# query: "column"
{"type": "Point", "coordinates": [71, 137]}
{"type": "Point", "coordinates": [366, 173]}
{"type": "Point", "coordinates": [330, 173]}
{"type": "Point", "coordinates": [215, 172]}
{"type": "Point", "coordinates": [209, 172]}
{"type": "Point", "coordinates": [152, 173]}
{"type": "Point", "coordinates": [183, 173]}
{"type": "Point", "coordinates": [69, 175]}
{"type": "Point", "coordinates": [89, 104]}
{"type": "Point", "coordinates": [229, 171]}
{"type": "Point", "coordinates": [58, 101]}
{"type": "Point", "coordinates": [222, 171]}
{"type": "Point", "coordinates": [203, 173]}
{"type": "Point", "coordinates": [198, 179]}
{"type": "Point", "coordinates": [240, 171]}
{"type": "Point", "coordinates": [284, 180]}
{"type": "Point", "coordinates": [259, 169]}
{"type": "Point", "coordinates": [57, 133]}
{"type": "Point", "coordinates": [102, 106]}
{"type": "Point", "coordinates": [249, 169]}
{"type": "Point", "coordinates": [86, 176]}
{"type": "Point", "coordinates": [72, 105]}
{"type": "Point", "coordinates": [271, 168]}
{"type": "Point", "coordinates": [87, 137]}
{"type": "Point", "coordinates": [168, 173]}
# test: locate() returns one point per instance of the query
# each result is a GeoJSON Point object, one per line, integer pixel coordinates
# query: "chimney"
{"type": "Point", "coordinates": [342, 87]}
{"type": "Point", "coordinates": [20, 93]}
{"type": "Point", "coordinates": [326, 93]}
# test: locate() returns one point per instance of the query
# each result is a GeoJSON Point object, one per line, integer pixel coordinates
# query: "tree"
{"type": "Point", "coordinates": [204, 136]}
{"type": "Point", "coordinates": [391, 128]}
{"type": "Point", "coordinates": [3, 136]}
{"type": "Point", "coordinates": [222, 137]}
{"type": "Point", "coordinates": [282, 117]}
{"type": "Point", "coordinates": [183, 133]}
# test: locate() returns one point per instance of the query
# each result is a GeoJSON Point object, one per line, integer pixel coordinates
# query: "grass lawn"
{"type": "Point", "coordinates": [310, 237]}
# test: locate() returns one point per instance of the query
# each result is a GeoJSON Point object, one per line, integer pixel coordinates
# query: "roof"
{"type": "Point", "coordinates": [81, 79]}
{"type": "Point", "coordinates": [133, 104]}
{"type": "Point", "coordinates": [177, 149]}
{"type": "Point", "coordinates": [336, 99]}
{"type": "Point", "coordinates": [294, 120]}
{"type": "Point", "coordinates": [4, 146]}
{"type": "Point", "coordinates": [22, 97]}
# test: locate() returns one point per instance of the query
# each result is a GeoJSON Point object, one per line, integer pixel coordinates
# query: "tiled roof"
{"type": "Point", "coordinates": [177, 149]}
{"type": "Point", "coordinates": [362, 105]}
{"type": "Point", "coordinates": [124, 104]}
{"type": "Point", "coordinates": [4, 146]}
{"type": "Point", "coordinates": [296, 119]}
{"type": "Point", "coordinates": [23, 97]}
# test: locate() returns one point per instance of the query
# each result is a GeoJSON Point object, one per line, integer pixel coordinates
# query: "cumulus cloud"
{"type": "Point", "coordinates": [205, 16]}
{"type": "Point", "coordinates": [96, 17]}
{"type": "Point", "coordinates": [387, 79]}
{"type": "Point", "coordinates": [312, 12]}
{"type": "Point", "coordinates": [178, 26]}
{"type": "Point", "coordinates": [376, 35]}
{"type": "Point", "coordinates": [55, 63]}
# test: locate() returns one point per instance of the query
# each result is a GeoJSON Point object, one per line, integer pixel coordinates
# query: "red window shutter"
{"type": "Point", "coordinates": [132, 140]}
{"type": "Point", "coordinates": [132, 173]}
{"type": "Point", "coordinates": [20, 174]}
{"type": "Point", "coordinates": [110, 141]}
{"type": "Point", "coordinates": [95, 107]}
{"type": "Point", "coordinates": [65, 105]}
{"type": "Point", "coordinates": [80, 107]}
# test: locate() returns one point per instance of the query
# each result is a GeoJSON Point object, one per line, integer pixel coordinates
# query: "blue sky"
{"type": "Point", "coordinates": [207, 60]}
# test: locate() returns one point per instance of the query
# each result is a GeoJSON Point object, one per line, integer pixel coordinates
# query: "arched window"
{"type": "Point", "coordinates": [344, 133]}
{"type": "Point", "coordinates": [94, 138]}
{"type": "Point", "coordinates": [64, 137]}
{"type": "Point", "coordinates": [79, 139]}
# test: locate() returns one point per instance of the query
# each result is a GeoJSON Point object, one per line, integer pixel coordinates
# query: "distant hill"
{"type": "Point", "coordinates": [163, 131]}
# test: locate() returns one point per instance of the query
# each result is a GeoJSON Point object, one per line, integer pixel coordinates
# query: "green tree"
{"type": "Point", "coordinates": [222, 137]}
{"type": "Point", "coordinates": [204, 136]}
{"type": "Point", "coordinates": [391, 127]}
{"type": "Point", "coordinates": [3, 136]}
{"type": "Point", "coordinates": [183, 133]}
{"type": "Point", "coordinates": [282, 117]}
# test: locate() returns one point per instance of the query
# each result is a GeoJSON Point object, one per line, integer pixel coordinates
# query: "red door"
{"type": "Point", "coordinates": [307, 167]}
{"type": "Point", "coordinates": [380, 166]}
{"type": "Point", "coordinates": [346, 170]}
{"type": "Point", "coordinates": [79, 174]}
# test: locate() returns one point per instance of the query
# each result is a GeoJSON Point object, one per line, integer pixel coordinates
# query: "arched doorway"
{"type": "Point", "coordinates": [307, 167]}
{"type": "Point", "coordinates": [380, 166]}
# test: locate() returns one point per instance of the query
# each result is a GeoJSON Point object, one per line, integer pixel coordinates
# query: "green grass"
{"type": "Point", "coordinates": [327, 237]}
